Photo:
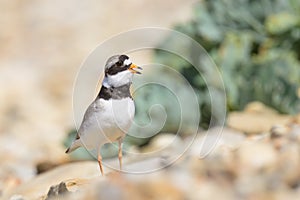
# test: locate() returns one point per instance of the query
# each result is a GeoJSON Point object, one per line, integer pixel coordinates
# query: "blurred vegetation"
{"type": "Point", "coordinates": [255, 44]}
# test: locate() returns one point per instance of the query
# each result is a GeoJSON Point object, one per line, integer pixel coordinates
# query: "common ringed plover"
{"type": "Point", "coordinates": [110, 115]}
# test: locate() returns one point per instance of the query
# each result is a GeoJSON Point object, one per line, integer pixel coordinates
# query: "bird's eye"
{"type": "Point", "coordinates": [119, 63]}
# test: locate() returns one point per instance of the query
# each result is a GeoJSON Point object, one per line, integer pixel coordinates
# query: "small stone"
{"type": "Point", "coordinates": [279, 131]}
{"type": "Point", "coordinates": [57, 190]}
{"type": "Point", "coordinates": [254, 156]}
{"type": "Point", "coordinates": [295, 132]}
{"type": "Point", "coordinates": [16, 197]}
{"type": "Point", "coordinates": [206, 142]}
{"type": "Point", "coordinates": [164, 142]}
{"type": "Point", "coordinates": [289, 164]}
{"type": "Point", "coordinates": [296, 119]}
{"type": "Point", "coordinates": [45, 166]}
{"type": "Point", "coordinates": [280, 142]}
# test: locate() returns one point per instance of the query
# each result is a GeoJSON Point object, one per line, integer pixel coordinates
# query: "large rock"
{"type": "Point", "coordinates": [256, 118]}
{"type": "Point", "coordinates": [39, 186]}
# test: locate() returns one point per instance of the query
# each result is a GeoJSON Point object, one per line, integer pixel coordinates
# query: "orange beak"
{"type": "Point", "coordinates": [133, 68]}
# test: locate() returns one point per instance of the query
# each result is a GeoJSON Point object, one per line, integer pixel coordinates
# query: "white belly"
{"type": "Point", "coordinates": [106, 121]}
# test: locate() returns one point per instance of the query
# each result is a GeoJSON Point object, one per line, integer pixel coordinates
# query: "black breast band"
{"type": "Point", "coordinates": [115, 92]}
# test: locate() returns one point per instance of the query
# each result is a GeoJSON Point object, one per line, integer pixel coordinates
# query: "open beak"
{"type": "Point", "coordinates": [133, 68]}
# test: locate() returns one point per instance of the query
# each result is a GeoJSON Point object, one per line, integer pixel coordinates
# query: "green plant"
{"type": "Point", "coordinates": [255, 44]}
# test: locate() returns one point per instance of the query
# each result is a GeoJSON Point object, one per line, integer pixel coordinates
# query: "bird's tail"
{"type": "Point", "coordinates": [75, 145]}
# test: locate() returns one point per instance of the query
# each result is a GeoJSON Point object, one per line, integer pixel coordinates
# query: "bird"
{"type": "Point", "coordinates": [109, 117]}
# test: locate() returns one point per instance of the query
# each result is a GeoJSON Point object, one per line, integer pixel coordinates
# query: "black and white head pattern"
{"type": "Point", "coordinates": [116, 71]}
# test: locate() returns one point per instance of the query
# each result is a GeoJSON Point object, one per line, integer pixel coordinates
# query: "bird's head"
{"type": "Point", "coordinates": [119, 70]}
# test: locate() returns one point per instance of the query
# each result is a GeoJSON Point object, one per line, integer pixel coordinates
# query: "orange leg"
{"type": "Point", "coordinates": [120, 153]}
{"type": "Point", "coordinates": [100, 163]}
